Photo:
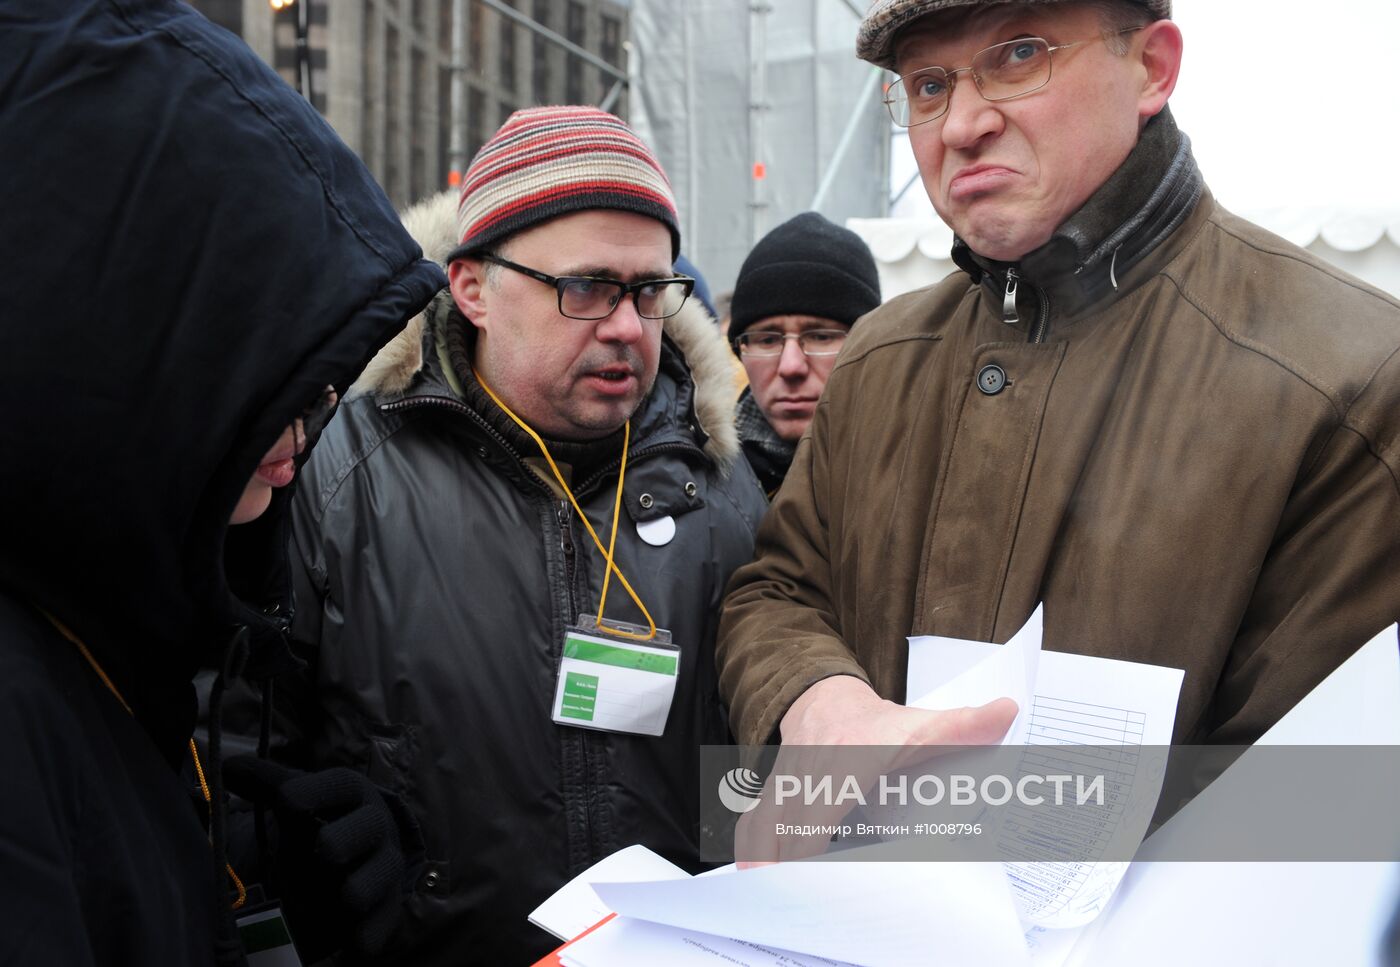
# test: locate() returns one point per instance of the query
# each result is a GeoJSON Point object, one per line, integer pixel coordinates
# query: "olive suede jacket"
{"type": "Point", "coordinates": [1192, 459]}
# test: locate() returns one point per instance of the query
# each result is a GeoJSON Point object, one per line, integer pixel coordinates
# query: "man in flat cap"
{"type": "Point", "coordinates": [1180, 432]}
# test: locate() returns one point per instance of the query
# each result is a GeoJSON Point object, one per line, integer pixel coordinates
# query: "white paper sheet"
{"type": "Point", "coordinates": [862, 912]}
{"type": "Point", "coordinates": [575, 906]}
{"type": "Point", "coordinates": [1274, 913]}
{"type": "Point", "coordinates": [1230, 914]}
{"type": "Point", "coordinates": [1358, 704]}
{"type": "Point", "coordinates": [1105, 704]}
{"type": "Point", "coordinates": [989, 672]}
{"type": "Point", "coordinates": [1074, 700]}
{"type": "Point", "coordinates": [1052, 948]}
{"type": "Point", "coordinates": [625, 942]}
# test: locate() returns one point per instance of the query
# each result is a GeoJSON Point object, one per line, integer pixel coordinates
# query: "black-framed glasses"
{"type": "Point", "coordinates": [587, 298]}
{"type": "Point", "coordinates": [813, 342]}
{"type": "Point", "coordinates": [1001, 72]}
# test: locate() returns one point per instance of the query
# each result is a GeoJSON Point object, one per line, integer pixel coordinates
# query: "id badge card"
{"type": "Point", "coordinates": [266, 941]}
{"type": "Point", "coordinates": [615, 684]}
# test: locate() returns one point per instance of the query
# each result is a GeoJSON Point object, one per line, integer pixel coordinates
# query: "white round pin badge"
{"type": "Point", "coordinates": [658, 532]}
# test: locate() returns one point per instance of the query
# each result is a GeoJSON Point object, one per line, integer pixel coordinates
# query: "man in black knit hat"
{"type": "Point", "coordinates": [799, 292]}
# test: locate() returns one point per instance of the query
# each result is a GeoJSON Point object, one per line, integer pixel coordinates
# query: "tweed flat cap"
{"type": "Point", "coordinates": [885, 18]}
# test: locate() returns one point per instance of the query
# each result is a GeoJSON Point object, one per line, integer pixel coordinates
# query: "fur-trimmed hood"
{"type": "Point", "coordinates": [433, 223]}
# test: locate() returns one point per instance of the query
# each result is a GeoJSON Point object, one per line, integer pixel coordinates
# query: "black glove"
{"type": "Point", "coordinates": [340, 852]}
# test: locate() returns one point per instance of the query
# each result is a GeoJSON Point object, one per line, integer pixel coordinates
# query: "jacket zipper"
{"type": "Point", "coordinates": [579, 737]}
{"type": "Point", "coordinates": [566, 544]}
{"type": "Point", "coordinates": [1011, 317]}
{"type": "Point", "coordinates": [582, 740]}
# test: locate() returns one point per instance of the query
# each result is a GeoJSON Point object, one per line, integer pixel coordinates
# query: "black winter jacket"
{"type": "Point", "coordinates": [436, 576]}
{"type": "Point", "coordinates": [170, 211]}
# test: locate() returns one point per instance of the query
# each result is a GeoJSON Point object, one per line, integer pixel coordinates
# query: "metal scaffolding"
{"type": "Point", "coordinates": [758, 118]}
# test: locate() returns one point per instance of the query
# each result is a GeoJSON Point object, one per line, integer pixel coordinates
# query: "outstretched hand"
{"type": "Point", "coordinates": [845, 711]}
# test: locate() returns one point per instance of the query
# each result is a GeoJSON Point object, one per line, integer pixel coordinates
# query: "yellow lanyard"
{"type": "Point", "coordinates": [198, 768]}
{"type": "Point", "coordinates": [617, 512]}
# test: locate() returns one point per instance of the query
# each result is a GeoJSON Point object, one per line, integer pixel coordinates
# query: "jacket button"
{"type": "Point", "coordinates": [432, 879]}
{"type": "Point", "coordinates": [690, 488]}
{"type": "Point", "coordinates": [646, 500]}
{"type": "Point", "coordinates": [991, 379]}
{"type": "Point", "coordinates": [481, 452]}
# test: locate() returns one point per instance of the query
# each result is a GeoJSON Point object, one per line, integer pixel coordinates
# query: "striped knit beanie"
{"type": "Point", "coordinates": [550, 161]}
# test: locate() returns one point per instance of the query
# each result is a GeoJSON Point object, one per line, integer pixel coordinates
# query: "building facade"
{"type": "Point", "coordinates": [381, 71]}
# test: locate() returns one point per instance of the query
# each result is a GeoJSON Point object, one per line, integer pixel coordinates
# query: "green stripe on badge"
{"type": "Point", "coordinates": [603, 654]}
{"type": "Point", "coordinates": [580, 696]}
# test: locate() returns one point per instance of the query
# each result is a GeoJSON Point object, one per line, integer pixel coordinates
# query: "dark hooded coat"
{"type": "Point", "coordinates": [188, 255]}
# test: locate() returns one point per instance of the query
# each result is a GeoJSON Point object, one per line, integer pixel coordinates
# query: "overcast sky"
{"type": "Point", "coordinates": [1293, 101]}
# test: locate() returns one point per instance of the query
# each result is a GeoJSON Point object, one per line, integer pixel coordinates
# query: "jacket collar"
{"type": "Point", "coordinates": [1123, 223]}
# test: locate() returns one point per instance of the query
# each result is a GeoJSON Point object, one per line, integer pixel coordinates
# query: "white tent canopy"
{"type": "Point", "coordinates": [1294, 116]}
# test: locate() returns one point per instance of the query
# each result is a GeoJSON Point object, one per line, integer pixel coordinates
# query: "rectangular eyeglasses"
{"type": "Point", "coordinates": [1001, 72]}
{"type": "Point", "coordinates": [588, 298]}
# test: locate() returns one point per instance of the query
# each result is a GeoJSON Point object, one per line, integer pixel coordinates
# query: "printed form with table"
{"type": "Point", "coordinates": [635, 908]}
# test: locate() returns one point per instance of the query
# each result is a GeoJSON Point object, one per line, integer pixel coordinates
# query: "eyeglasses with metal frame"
{"type": "Point", "coordinates": [813, 342]}
{"type": "Point", "coordinates": [590, 299]}
{"type": "Point", "coordinates": [1001, 72]}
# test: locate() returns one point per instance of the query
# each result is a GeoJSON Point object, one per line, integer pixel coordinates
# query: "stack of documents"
{"type": "Point", "coordinates": [889, 913]}
{"type": "Point", "coordinates": [830, 914]}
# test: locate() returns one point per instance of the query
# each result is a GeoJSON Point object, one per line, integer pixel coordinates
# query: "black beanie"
{"type": "Point", "coordinates": [806, 266]}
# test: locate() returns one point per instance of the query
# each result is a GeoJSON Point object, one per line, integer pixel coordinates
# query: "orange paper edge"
{"type": "Point", "coordinates": [552, 959]}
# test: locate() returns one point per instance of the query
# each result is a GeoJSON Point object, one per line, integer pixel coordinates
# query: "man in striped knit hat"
{"type": "Point", "coordinates": [467, 645]}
